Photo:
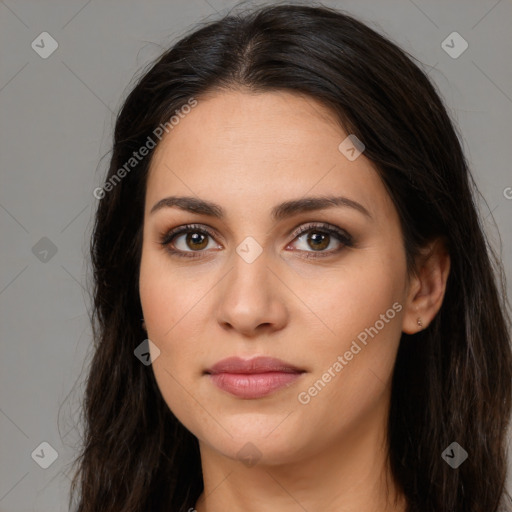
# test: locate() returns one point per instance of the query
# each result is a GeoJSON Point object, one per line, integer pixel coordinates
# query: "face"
{"type": "Point", "coordinates": [319, 287]}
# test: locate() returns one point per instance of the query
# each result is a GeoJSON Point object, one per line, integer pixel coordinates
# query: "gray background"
{"type": "Point", "coordinates": [55, 124]}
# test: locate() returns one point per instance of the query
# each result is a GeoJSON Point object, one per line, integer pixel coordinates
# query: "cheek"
{"type": "Point", "coordinates": [352, 297]}
{"type": "Point", "coordinates": [168, 307]}
{"type": "Point", "coordinates": [168, 298]}
{"type": "Point", "coordinates": [361, 307]}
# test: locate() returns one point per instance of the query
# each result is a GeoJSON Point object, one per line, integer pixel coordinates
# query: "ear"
{"type": "Point", "coordinates": [427, 287]}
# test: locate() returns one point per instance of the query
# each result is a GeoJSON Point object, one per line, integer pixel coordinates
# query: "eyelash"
{"type": "Point", "coordinates": [342, 236]}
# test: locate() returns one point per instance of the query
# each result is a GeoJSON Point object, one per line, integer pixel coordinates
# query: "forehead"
{"type": "Point", "coordinates": [246, 150]}
{"type": "Point", "coordinates": [235, 124]}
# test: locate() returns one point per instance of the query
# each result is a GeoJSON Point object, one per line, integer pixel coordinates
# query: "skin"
{"type": "Point", "coordinates": [248, 152]}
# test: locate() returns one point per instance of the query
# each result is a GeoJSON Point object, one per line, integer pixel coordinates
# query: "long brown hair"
{"type": "Point", "coordinates": [452, 381]}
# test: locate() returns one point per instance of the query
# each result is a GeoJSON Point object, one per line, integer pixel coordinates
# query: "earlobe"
{"type": "Point", "coordinates": [427, 288]}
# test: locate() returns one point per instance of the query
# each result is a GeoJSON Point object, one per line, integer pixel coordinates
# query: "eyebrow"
{"type": "Point", "coordinates": [278, 212]}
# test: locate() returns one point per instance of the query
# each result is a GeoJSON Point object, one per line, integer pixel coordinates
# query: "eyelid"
{"type": "Point", "coordinates": [323, 226]}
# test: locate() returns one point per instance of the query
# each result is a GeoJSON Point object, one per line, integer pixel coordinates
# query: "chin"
{"type": "Point", "coordinates": [258, 439]}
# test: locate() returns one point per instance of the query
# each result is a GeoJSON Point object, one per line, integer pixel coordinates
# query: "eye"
{"type": "Point", "coordinates": [194, 239]}
{"type": "Point", "coordinates": [319, 236]}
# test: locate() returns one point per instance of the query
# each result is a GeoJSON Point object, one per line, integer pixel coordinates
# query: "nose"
{"type": "Point", "coordinates": [252, 298]}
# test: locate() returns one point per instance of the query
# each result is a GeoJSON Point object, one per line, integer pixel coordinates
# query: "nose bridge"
{"type": "Point", "coordinates": [250, 296]}
{"type": "Point", "coordinates": [250, 277]}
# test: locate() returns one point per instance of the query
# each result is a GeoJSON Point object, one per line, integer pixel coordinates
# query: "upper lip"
{"type": "Point", "coordinates": [255, 365]}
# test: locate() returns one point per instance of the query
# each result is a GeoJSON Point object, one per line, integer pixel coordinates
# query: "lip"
{"type": "Point", "coordinates": [253, 378]}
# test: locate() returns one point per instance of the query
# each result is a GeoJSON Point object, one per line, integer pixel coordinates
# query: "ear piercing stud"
{"type": "Point", "coordinates": [419, 322]}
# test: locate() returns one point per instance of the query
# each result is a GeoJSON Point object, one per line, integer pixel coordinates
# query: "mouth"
{"type": "Point", "coordinates": [252, 378]}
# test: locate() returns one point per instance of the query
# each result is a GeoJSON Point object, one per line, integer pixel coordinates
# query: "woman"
{"type": "Point", "coordinates": [289, 211]}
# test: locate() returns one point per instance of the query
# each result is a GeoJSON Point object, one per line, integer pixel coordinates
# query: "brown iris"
{"type": "Point", "coordinates": [199, 240]}
{"type": "Point", "coordinates": [320, 240]}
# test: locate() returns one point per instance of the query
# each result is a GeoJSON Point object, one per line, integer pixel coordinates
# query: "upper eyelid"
{"type": "Point", "coordinates": [307, 226]}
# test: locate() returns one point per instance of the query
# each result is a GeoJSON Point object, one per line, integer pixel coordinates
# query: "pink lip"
{"type": "Point", "coordinates": [252, 378]}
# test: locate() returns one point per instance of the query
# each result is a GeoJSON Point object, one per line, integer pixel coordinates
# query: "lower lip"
{"type": "Point", "coordinates": [253, 385]}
